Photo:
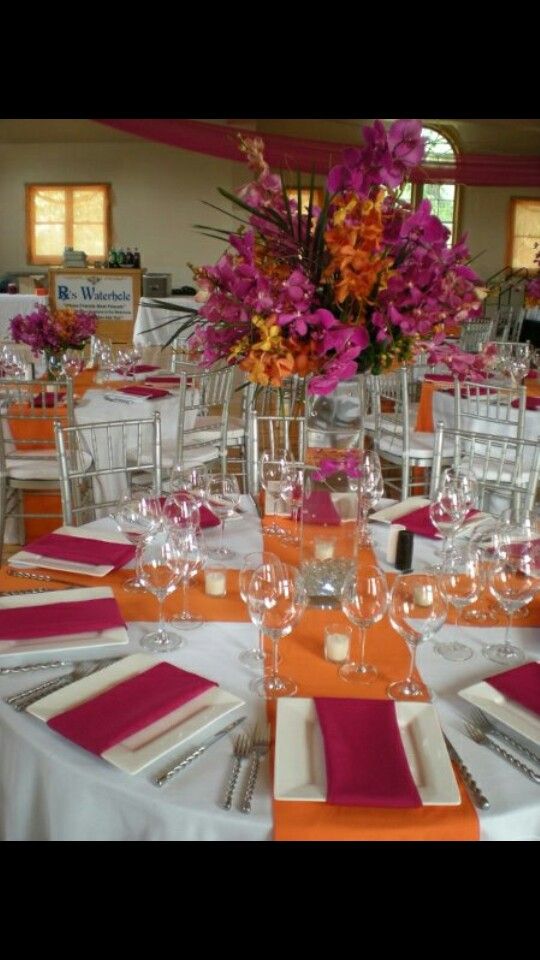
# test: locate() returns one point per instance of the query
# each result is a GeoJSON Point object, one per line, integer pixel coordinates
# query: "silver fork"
{"type": "Point", "coordinates": [259, 749]}
{"type": "Point", "coordinates": [241, 751]}
{"type": "Point", "coordinates": [20, 701]}
{"type": "Point", "coordinates": [480, 737]}
{"type": "Point", "coordinates": [487, 726]}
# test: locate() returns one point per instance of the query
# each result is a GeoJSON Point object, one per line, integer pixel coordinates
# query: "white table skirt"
{"type": "Point", "coordinates": [53, 790]}
{"type": "Point", "coordinates": [148, 330]}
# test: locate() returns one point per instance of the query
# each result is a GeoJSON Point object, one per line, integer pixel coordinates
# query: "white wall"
{"type": "Point", "coordinates": [156, 194]}
{"type": "Point", "coordinates": [484, 217]}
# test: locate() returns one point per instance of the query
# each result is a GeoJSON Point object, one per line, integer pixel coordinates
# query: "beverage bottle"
{"type": "Point", "coordinates": [112, 258]}
{"type": "Point", "coordinates": [136, 259]}
{"type": "Point", "coordinates": [129, 257]}
{"type": "Point", "coordinates": [121, 257]}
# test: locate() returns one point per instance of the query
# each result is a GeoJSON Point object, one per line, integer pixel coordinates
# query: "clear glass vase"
{"type": "Point", "coordinates": [329, 516]}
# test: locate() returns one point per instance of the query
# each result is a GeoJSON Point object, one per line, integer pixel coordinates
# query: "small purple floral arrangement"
{"type": "Point", "coordinates": [52, 331]}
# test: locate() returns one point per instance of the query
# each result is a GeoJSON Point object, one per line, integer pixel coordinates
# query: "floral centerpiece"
{"type": "Point", "coordinates": [52, 332]}
{"type": "Point", "coordinates": [358, 283]}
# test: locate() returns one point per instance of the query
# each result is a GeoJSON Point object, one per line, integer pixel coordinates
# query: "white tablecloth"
{"type": "Point", "coordinates": [53, 790]}
{"type": "Point", "coordinates": [11, 304]}
{"type": "Point", "coordinates": [148, 329]}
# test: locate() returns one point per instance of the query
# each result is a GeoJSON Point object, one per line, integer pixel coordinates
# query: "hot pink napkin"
{"type": "Point", "coordinates": [163, 379]}
{"type": "Point", "coordinates": [531, 403]}
{"type": "Point", "coordinates": [521, 684]}
{"type": "Point", "coordinates": [49, 399]}
{"type": "Point", "coordinates": [145, 368]}
{"type": "Point", "coordinates": [59, 619]}
{"type": "Point", "coordinates": [319, 508]}
{"type": "Point", "coordinates": [82, 550]}
{"type": "Point", "coordinates": [419, 521]}
{"type": "Point", "coordinates": [128, 707]}
{"type": "Point", "coordinates": [438, 377]}
{"type": "Point", "coordinates": [532, 375]}
{"type": "Point", "coordinates": [208, 519]}
{"type": "Point", "coordinates": [151, 393]}
{"type": "Point", "coordinates": [366, 765]}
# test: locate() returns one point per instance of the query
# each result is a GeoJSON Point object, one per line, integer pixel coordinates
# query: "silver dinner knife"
{"type": "Point", "coordinates": [473, 789]}
{"type": "Point", "coordinates": [184, 761]}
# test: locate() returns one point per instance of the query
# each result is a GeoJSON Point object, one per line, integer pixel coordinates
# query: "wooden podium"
{"type": "Point", "coordinates": [113, 295]}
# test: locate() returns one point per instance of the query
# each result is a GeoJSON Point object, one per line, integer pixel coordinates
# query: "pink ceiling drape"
{"type": "Point", "coordinates": [294, 153]}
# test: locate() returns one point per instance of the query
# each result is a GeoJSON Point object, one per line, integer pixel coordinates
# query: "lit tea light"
{"type": "Point", "coordinates": [336, 647]}
{"type": "Point", "coordinates": [423, 596]}
{"type": "Point", "coordinates": [215, 583]}
{"type": "Point", "coordinates": [324, 549]}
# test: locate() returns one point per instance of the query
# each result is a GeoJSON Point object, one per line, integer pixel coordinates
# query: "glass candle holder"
{"type": "Point", "coordinates": [337, 642]}
{"type": "Point", "coordinates": [215, 581]}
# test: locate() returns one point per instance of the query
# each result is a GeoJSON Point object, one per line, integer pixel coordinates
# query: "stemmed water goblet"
{"type": "Point", "coordinates": [222, 497]}
{"type": "Point", "coordinates": [188, 560]}
{"type": "Point", "coordinates": [447, 512]}
{"type": "Point", "coordinates": [255, 657]}
{"type": "Point", "coordinates": [137, 515]}
{"type": "Point", "coordinates": [370, 488]}
{"type": "Point", "coordinates": [417, 611]}
{"type": "Point", "coordinates": [460, 584]}
{"type": "Point", "coordinates": [72, 363]}
{"type": "Point", "coordinates": [276, 600]}
{"type": "Point", "coordinates": [514, 581]}
{"type": "Point", "coordinates": [277, 476]}
{"type": "Point", "coordinates": [158, 569]}
{"type": "Point", "coordinates": [364, 601]}
{"type": "Point", "coordinates": [483, 541]}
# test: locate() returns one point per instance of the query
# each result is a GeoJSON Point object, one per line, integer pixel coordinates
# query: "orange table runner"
{"type": "Point", "coordinates": [424, 415]}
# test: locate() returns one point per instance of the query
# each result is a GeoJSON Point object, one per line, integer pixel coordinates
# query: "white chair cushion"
{"type": "Point", "coordinates": [31, 467]}
{"type": "Point", "coordinates": [192, 456]}
{"type": "Point", "coordinates": [420, 446]}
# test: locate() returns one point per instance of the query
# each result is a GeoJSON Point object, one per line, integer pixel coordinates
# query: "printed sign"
{"type": "Point", "coordinates": [110, 295]}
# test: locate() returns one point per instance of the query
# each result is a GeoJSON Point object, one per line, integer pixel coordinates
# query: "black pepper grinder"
{"type": "Point", "coordinates": [404, 551]}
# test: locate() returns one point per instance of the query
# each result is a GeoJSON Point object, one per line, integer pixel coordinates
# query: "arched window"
{"type": "Point", "coordinates": [444, 197]}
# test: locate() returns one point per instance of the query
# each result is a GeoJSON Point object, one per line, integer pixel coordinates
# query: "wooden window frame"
{"type": "Point", "coordinates": [511, 235]}
{"type": "Point", "coordinates": [31, 188]}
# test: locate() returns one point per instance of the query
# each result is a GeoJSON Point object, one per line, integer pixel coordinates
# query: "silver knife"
{"type": "Point", "coordinates": [184, 761]}
{"type": "Point", "coordinates": [473, 789]}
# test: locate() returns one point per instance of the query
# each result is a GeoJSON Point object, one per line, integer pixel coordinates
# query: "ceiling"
{"type": "Point", "coordinates": [472, 136]}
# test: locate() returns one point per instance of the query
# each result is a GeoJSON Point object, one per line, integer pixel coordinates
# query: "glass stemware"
{"type": "Point", "coordinates": [222, 497]}
{"type": "Point", "coordinates": [138, 515]}
{"type": "Point", "coordinates": [255, 657]}
{"type": "Point", "coordinates": [188, 560]}
{"type": "Point", "coordinates": [514, 581]}
{"type": "Point", "coordinates": [417, 611]}
{"type": "Point", "coordinates": [72, 363]}
{"type": "Point", "coordinates": [460, 585]}
{"type": "Point", "coordinates": [158, 569]}
{"type": "Point", "coordinates": [364, 601]}
{"type": "Point", "coordinates": [370, 489]}
{"type": "Point", "coordinates": [483, 541]}
{"type": "Point", "coordinates": [277, 475]}
{"type": "Point", "coordinates": [276, 600]}
{"type": "Point", "coordinates": [447, 512]}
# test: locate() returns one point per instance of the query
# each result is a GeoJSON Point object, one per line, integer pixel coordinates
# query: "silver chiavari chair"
{"type": "Point", "coordinates": [98, 462]}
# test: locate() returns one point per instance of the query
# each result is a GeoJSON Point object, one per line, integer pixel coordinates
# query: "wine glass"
{"type": "Point", "coordinates": [483, 541]}
{"type": "Point", "coordinates": [364, 601]}
{"type": "Point", "coordinates": [447, 512]}
{"type": "Point", "coordinates": [417, 611]}
{"type": "Point", "coordinates": [276, 475]}
{"type": "Point", "coordinates": [460, 584]}
{"type": "Point", "coordinates": [222, 497]}
{"type": "Point", "coordinates": [370, 487]}
{"type": "Point", "coordinates": [296, 500]}
{"type": "Point", "coordinates": [188, 560]}
{"type": "Point", "coordinates": [158, 569]}
{"type": "Point", "coordinates": [276, 600]}
{"type": "Point", "coordinates": [251, 562]}
{"type": "Point", "coordinates": [137, 515]}
{"type": "Point", "coordinates": [513, 582]}
{"type": "Point", "coordinates": [72, 363]}
{"type": "Point", "coordinates": [182, 513]}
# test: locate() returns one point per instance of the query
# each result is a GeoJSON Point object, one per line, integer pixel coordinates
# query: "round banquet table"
{"type": "Point", "coordinates": [148, 329]}
{"type": "Point", "coordinates": [54, 790]}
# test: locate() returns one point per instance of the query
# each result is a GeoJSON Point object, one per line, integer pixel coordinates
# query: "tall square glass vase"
{"type": "Point", "coordinates": [329, 518]}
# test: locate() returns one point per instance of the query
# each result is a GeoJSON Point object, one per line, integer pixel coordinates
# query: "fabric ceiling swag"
{"type": "Point", "coordinates": [295, 153]}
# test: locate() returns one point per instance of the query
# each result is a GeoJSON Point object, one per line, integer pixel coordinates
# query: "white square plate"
{"type": "Point", "coordinates": [27, 649]}
{"type": "Point", "coordinates": [155, 741]}
{"type": "Point", "coordinates": [496, 705]}
{"type": "Point", "coordinates": [27, 559]}
{"type": "Point", "coordinates": [300, 766]}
